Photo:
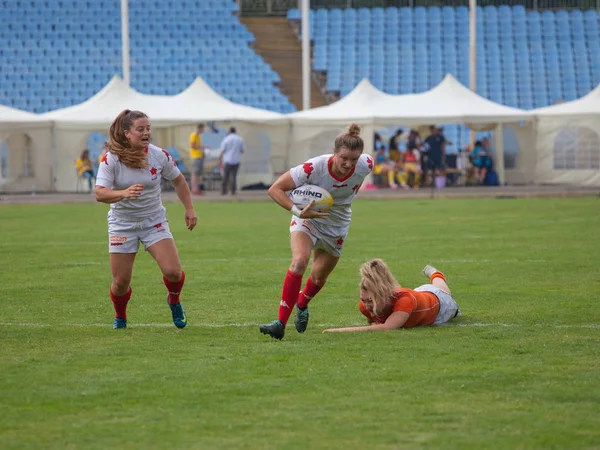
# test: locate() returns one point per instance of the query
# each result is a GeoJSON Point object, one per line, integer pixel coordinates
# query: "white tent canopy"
{"type": "Point", "coordinates": [197, 103]}
{"type": "Point", "coordinates": [449, 102]}
{"type": "Point", "coordinates": [568, 142]}
{"type": "Point", "coordinates": [12, 118]}
{"type": "Point", "coordinates": [587, 105]}
{"type": "Point", "coordinates": [360, 105]}
{"type": "Point", "coordinates": [101, 109]}
{"type": "Point", "coordinates": [26, 158]}
{"type": "Point", "coordinates": [173, 118]}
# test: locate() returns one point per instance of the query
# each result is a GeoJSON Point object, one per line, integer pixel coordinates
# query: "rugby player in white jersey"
{"type": "Point", "coordinates": [322, 234]}
{"type": "Point", "coordinates": [129, 179]}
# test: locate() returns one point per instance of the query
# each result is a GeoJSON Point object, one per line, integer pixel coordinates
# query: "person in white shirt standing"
{"type": "Point", "coordinates": [232, 148]}
{"type": "Point", "coordinates": [322, 234]}
{"type": "Point", "coordinates": [129, 179]}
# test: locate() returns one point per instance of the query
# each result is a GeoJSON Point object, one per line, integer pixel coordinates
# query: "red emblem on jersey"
{"type": "Point", "coordinates": [105, 159]}
{"type": "Point", "coordinates": [340, 242]}
{"type": "Point", "coordinates": [370, 163]}
{"type": "Point", "coordinates": [153, 171]}
{"type": "Point", "coordinates": [308, 169]}
{"type": "Point", "coordinates": [356, 188]}
{"type": "Point", "coordinates": [166, 154]}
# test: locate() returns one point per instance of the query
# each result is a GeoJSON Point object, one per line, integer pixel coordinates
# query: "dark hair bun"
{"type": "Point", "coordinates": [354, 129]}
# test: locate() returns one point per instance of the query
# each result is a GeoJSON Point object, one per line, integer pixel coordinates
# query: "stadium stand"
{"type": "Point", "coordinates": [59, 53]}
{"type": "Point", "coordinates": [525, 59]}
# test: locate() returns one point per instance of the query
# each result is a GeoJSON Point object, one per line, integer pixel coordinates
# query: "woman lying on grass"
{"type": "Point", "coordinates": [387, 306]}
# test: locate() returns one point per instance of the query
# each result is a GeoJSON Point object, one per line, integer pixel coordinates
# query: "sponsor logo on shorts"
{"type": "Point", "coordinates": [340, 242]}
{"type": "Point", "coordinates": [159, 227]}
{"type": "Point", "coordinates": [117, 240]}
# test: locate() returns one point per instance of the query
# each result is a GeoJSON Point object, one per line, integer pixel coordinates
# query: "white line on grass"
{"type": "Point", "coordinates": [251, 324]}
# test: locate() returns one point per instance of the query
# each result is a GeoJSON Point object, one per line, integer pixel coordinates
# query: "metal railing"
{"type": "Point", "coordinates": [280, 7]}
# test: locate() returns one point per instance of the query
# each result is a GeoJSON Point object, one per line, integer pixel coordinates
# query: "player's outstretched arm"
{"type": "Point", "coordinates": [395, 321]}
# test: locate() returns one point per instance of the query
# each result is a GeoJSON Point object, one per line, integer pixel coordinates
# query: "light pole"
{"type": "Point", "coordinates": [473, 53]}
{"type": "Point", "coordinates": [305, 54]}
{"type": "Point", "coordinates": [125, 40]}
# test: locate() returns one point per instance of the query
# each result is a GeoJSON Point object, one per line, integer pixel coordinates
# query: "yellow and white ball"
{"type": "Point", "coordinates": [303, 195]}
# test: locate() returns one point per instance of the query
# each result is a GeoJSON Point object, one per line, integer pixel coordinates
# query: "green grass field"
{"type": "Point", "coordinates": [520, 369]}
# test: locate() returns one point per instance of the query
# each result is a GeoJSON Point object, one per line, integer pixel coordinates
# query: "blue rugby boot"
{"type": "Point", "coordinates": [119, 323]}
{"type": "Point", "coordinates": [179, 317]}
{"type": "Point", "coordinates": [301, 319]}
{"type": "Point", "coordinates": [275, 329]}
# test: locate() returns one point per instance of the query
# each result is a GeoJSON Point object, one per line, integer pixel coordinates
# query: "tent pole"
{"type": "Point", "coordinates": [125, 40]}
{"type": "Point", "coordinates": [499, 146]}
{"type": "Point", "coordinates": [305, 54]}
{"type": "Point", "coordinates": [54, 158]}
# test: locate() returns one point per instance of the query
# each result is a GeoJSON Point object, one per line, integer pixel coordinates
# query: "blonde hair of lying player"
{"type": "Point", "coordinates": [321, 235]}
{"type": "Point", "coordinates": [388, 306]}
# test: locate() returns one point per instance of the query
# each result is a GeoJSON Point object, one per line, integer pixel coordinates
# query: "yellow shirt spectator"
{"type": "Point", "coordinates": [83, 165]}
{"type": "Point", "coordinates": [197, 155]}
{"type": "Point", "coordinates": [196, 151]}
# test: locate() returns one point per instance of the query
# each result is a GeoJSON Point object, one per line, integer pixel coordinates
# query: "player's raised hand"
{"type": "Point", "coordinates": [308, 213]}
{"type": "Point", "coordinates": [191, 219]}
{"type": "Point", "coordinates": [133, 191]}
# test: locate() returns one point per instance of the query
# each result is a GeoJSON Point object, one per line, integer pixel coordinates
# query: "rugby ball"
{"type": "Point", "coordinates": [302, 196]}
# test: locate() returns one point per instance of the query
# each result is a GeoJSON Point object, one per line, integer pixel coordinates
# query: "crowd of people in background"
{"type": "Point", "coordinates": [409, 161]}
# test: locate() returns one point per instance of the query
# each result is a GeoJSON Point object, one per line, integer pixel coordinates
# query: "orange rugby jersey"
{"type": "Point", "coordinates": [423, 308]}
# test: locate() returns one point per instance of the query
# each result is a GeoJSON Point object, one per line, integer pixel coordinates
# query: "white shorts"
{"type": "Point", "coordinates": [331, 244]}
{"type": "Point", "coordinates": [125, 236]}
{"type": "Point", "coordinates": [448, 307]}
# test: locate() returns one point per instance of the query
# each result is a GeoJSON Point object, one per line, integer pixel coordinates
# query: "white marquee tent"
{"type": "Point", "coordinates": [568, 142]}
{"type": "Point", "coordinates": [25, 151]}
{"type": "Point", "coordinates": [173, 118]}
{"type": "Point", "coordinates": [449, 102]}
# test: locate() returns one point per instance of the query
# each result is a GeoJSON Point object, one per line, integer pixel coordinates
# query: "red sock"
{"type": "Point", "coordinates": [307, 294]}
{"type": "Point", "coordinates": [437, 275]}
{"type": "Point", "coordinates": [174, 288]}
{"type": "Point", "coordinates": [120, 303]}
{"type": "Point", "coordinates": [289, 295]}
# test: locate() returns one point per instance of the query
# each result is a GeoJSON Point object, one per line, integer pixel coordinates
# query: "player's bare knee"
{"type": "Point", "coordinates": [299, 264]}
{"type": "Point", "coordinates": [173, 274]}
{"type": "Point", "coordinates": [120, 284]}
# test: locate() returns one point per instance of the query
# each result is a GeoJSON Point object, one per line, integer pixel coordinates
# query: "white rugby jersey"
{"type": "Point", "coordinates": [114, 175]}
{"type": "Point", "coordinates": [318, 171]}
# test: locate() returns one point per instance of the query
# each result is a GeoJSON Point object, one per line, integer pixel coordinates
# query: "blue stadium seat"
{"type": "Point", "coordinates": [57, 49]}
